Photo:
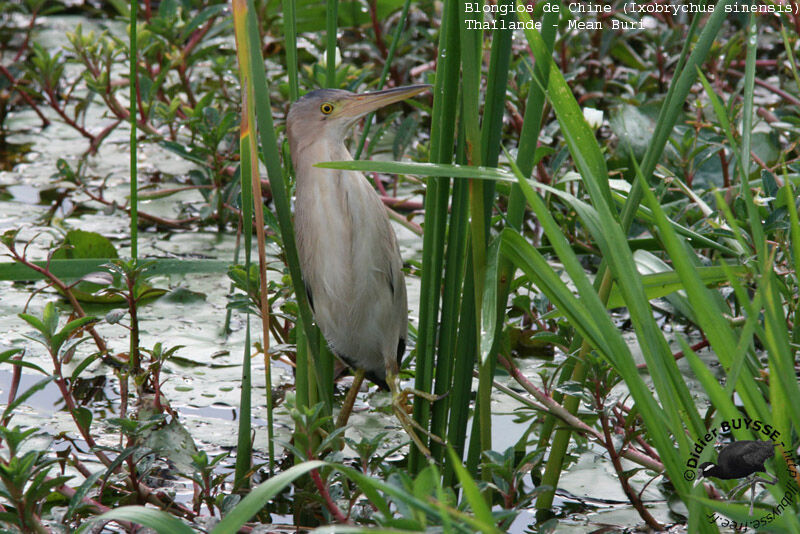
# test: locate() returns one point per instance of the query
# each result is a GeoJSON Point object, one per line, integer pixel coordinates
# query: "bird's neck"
{"type": "Point", "coordinates": [321, 150]}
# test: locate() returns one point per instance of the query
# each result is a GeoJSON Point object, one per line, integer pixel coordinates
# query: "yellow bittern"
{"type": "Point", "coordinates": [348, 251]}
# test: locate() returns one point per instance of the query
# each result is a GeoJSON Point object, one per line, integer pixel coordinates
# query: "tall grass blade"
{"type": "Point", "coordinates": [481, 212]}
{"type": "Point", "coordinates": [471, 492]}
{"type": "Point", "coordinates": [587, 163]}
{"type": "Point", "coordinates": [258, 205]}
{"type": "Point", "coordinates": [249, 168]}
{"type": "Point", "coordinates": [280, 198]}
{"type": "Point", "coordinates": [721, 338]}
{"type": "Point", "coordinates": [453, 375]}
{"type": "Point", "coordinates": [595, 326]}
{"type": "Point", "coordinates": [753, 218]}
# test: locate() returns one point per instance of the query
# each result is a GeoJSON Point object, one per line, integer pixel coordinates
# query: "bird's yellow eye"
{"type": "Point", "coordinates": [326, 108]}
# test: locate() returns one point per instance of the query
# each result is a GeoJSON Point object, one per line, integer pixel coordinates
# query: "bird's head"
{"type": "Point", "coordinates": [702, 472]}
{"type": "Point", "coordinates": [705, 469]}
{"type": "Point", "coordinates": [329, 113]}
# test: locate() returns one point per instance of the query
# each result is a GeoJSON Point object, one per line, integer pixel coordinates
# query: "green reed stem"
{"type": "Point", "coordinates": [134, 89]}
{"type": "Point", "coordinates": [445, 99]}
{"type": "Point", "coordinates": [491, 142]}
{"type": "Point", "coordinates": [290, 36]}
{"type": "Point", "coordinates": [331, 27]}
{"type": "Point", "coordinates": [398, 32]}
{"type": "Point", "coordinates": [471, 48]}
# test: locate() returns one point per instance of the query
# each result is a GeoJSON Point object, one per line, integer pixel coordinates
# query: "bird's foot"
{"type": "Point", "coordinates": [402, 409]}
{"type": "Point", "coordinates": [765, 481]}
{"type": "Point", "coordinates": [404, 395]}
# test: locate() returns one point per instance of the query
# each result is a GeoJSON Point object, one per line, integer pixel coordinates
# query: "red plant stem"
{"type": "Point", "coordinates": [68, 492]}
{"type": "Point", "coordinates": [764, 166]}
{"type": "Point", "coordinates": [726, 178]}
{"type": "Point", "coordinates": [646, 446]}
{"type": "Point", "coordinates": [24, 46]}
{"type": "Point", "coordinates": [376, 27]}
{"type": "Point", "coordinates": [63, 114]}
{"type": "Point", "coordinates": [194, 40]}
{"type": "Point", "coordinates": [554, 408]}
{"type": "Point", "coordinates": [123, 114]}
{"type": "Point", "coordinates": [379, 184]}
{"type": "Point", "coordinates": [411, 225]}
{"type": "Point", "coordinates": [170, 223]}
{"type": "Point", "coordinates": [703, 343]}
{"type": "Point", "coordinates": [515, 116]}
{"type": "Point", "coordinates": [12, 390]}
{"type": "Point", "coordinates": [95, 143]}
{"type": "Point", "coordinates": [196, 37]}
{"type": "Point", "coordinates": [623, 478]}
{"type": "Point", "coordinates": [759, 63]}
{"type": "Point", "coordinates": [134, 357]}
{"type": "Point", "coordinates": [139, 104]}
{"type": "Point", "coordinates": [71, 405]}
{"type": "Point", "coordinates": [326, 496]}
{"type": "Point", "coordinates": [399, 204]}
{"type": "Point", "coordinates": [101, 344]}
{"type": "Point", "coordinates": [25, 96]}
{"type": "Point", "coordinates": [777, 90]}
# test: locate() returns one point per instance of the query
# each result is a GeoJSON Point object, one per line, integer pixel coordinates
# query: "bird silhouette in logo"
{"type": "Point", "coordinates": [741, 459]}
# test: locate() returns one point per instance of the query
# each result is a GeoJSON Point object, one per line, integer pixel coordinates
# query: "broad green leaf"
{"type": "Point", "coordinates": [85, 245]}
{"type": "Point", "coordinates": [158, 520]}
{"type": "Point", "coordinates": [260, 496]}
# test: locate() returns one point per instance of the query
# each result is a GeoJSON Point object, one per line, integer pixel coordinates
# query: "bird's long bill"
{"type": "Point", "coordinates": [359, 105]}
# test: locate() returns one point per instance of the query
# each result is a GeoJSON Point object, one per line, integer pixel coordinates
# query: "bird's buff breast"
{"type": "Point", "coordinates": [342, 263]}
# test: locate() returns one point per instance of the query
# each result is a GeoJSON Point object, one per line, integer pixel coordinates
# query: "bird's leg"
{"type": "Point", "coordinates": [350, 399]}
{"type": "Point", "coordinates": [400, 409]}
{"type": "Point", "coordinates": [735, 490]}
{"type": "Point", "coordinates": [755, 480]}
{"type": "Point", "coordinates": [765, 481]}
{"type": "Point", "coordinates": [752, 479]}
